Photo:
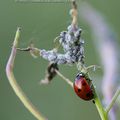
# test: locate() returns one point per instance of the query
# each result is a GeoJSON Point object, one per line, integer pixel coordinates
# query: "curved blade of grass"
{"type": "Point", "coordinates": [18, 91]}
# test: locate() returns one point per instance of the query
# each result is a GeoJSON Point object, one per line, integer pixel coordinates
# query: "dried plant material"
{"type": "Point", "coordinates": [50, 73]}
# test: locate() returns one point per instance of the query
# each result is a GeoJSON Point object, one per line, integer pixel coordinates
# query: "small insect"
{"type": "Point", "coordinates": [83, 87]}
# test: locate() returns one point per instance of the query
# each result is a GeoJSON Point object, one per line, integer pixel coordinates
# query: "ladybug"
{"type": "Point", "coordinates": [83, 87]}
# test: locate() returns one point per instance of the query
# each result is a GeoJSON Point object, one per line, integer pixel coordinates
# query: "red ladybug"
{"type": "Point", "coordinates": [83, 87]}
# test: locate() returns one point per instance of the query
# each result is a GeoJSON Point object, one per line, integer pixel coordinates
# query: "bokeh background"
{"type": "Point", "coordinates": [41, 23]}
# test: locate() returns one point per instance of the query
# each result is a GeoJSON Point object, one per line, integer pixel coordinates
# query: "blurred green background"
{"type": "Point", "coordinates": [41, 23]}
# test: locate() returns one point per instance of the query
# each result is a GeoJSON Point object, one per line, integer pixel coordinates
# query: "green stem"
{"type": "Point", "coordinates": [99, 106]}
{"type": "Point", "coordinates": [103, 114]}
{"type": "Point", "coordinates": [113, 100]}
{"type": "Point", "coordinates": [14, 84]}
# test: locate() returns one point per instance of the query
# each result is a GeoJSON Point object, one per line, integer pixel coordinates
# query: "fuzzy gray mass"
{"type": "Point", "coordinates": [72, 45]}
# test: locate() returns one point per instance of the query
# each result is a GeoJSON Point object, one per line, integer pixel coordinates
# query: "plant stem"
{"type": "Point", "coordinates": [14, 84]}
{"type": "Point", "coordinates": [113, 100]}
{"type": "Point", "coordinates": [100, 108]}
{"type": "Point", "coordinates": [64, 78]}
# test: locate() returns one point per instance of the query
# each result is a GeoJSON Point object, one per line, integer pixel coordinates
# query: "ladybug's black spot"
{"type": "Point", "coordinates": [79, 90]}
{"type": "Point", "coordinates": [88, 95]}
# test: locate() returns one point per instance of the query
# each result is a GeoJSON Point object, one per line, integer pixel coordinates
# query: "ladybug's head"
{"type": "Point", "coordinates": [80, 75]}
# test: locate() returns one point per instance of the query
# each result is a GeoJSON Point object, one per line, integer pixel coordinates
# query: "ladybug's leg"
{"type": "Point", "coordinates": [89, 82]}
{"type": "Point", "coordinates": [93, 101]}
{"type": "Point", "coordinates": [94, 67]}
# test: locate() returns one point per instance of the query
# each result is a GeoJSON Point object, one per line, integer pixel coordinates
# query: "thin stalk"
{"type": "Point", "coordinates": [100, 108]}
{"type": "Point", "coordinates": [113, 100]}
{"type": "Point", "coordinates": [64, 78]}
{"type": "Point", "coordinates": [18, 91]}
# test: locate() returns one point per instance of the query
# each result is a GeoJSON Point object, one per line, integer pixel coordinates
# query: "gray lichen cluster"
{"type": "Point", "coordinates": [72, 45]}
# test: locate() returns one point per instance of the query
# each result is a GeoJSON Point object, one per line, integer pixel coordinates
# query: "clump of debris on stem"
{"type": "Point", "coordinates": [72, 45]}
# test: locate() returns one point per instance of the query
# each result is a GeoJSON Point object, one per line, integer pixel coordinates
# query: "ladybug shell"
{"type": "Point", "coordinates": [82, 88]}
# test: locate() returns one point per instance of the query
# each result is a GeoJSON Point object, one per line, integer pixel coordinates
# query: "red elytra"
{"type": "Point", "coordinates": [82, 87]}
